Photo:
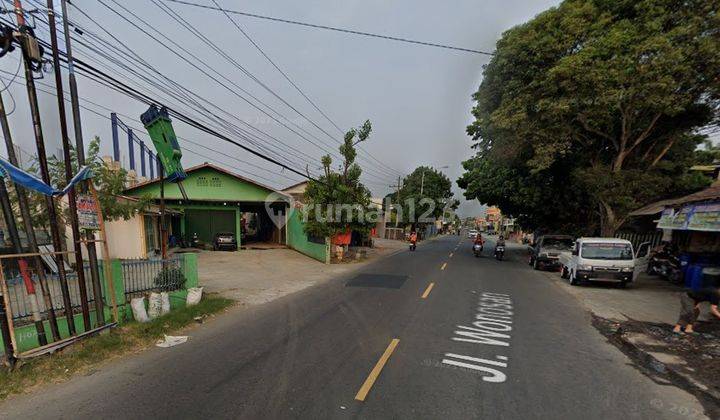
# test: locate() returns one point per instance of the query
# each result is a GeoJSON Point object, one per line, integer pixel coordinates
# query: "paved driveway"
{"type": "Point", "coordinates": [254, 277]}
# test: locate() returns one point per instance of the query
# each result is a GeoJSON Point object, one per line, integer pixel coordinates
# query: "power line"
{"type": "Point", "coordinates": [103, 78]}
{"type": "Point", "coordinates": [179, 19]}
{"type": "Point", "coordinates": [142, 131]}
{"type": "Point", "coordinates": [271, 61]}
{"type": "Point", "coordinates": [139, 96]}
{"type": "Point", "coordinates": [332, 28]}
{"type": "Point", "coordinates": [284, 74]}
{"type": "Point", "coordinates": [197, 60]}
{"type": "Point", "coordinates": [223, 123]}
{"type": "Point", "coordinates": [185, 93]}
{"type": "Point", "coordinates": [194, 65]}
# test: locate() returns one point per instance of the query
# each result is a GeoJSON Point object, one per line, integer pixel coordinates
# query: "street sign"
{"type": "Point", "coordinates": [87, 209]}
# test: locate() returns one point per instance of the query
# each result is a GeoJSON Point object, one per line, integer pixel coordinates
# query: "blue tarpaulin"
{"type": "Point", "coordinates": [32, 182]}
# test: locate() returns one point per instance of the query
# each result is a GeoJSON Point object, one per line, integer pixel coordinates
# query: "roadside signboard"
{"type": "Point", "coordinates": [87, 209]}
{"type": "Point", "coordinates": [705, 217]}
{"type": "Point", "coordinates": [700, 217]}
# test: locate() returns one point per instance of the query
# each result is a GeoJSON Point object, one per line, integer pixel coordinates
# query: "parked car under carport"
{"type": "Point", "coordinates": [225, 241]}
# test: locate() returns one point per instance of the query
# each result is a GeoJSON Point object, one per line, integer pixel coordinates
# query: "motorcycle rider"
{"type": "Point", "coordinates": [479, 240]}
{"type": "Point", "coordinates": [413, 238]}
{"type": "Point", "coordinates": [500, 243]}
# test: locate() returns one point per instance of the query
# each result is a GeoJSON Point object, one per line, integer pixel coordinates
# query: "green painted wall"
{"type": "Point", "coordinates": [26, 336]}
{"type": "Point", "coordinates": [297, 239]}
{"type": "Point", "coordinates": [207, 184]}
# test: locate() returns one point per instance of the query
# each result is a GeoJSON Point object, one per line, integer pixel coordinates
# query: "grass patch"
{"type": "Point", "coordinates": [82, 356]}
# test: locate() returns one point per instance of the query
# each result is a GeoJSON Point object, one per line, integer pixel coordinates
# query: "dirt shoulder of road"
{"type": "Point", "coordinates": [91, 353]}
{"type": "Point", "coordinates": [639, 321]}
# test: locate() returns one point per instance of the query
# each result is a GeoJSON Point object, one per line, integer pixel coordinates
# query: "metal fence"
{"type": "Point", "coordinates": [19, 299]}
{"type": "Point", "coordinates": [637, 238]}
{"type": "Point", "coordinates": [395, 233]}
{"type": "Point", "coordinates": [142, 276]}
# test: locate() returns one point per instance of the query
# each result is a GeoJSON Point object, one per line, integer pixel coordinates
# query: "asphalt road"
{"type": "Point", "coordinates": [491, 339]}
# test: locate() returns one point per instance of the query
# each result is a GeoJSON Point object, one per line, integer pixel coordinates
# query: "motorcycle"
{"type": "Point", "coordinates": [413, 245]}
{"type": "Point", "coordinates": [669, 269]}
{"type": "Point", "coordinates": [195, 241]}
{"type": "Point", "coordinates": [666, 264]}
{"type": "Point", "coordinates": [499, 252]}
{"type": "Point", "coordinates": [477, 249]}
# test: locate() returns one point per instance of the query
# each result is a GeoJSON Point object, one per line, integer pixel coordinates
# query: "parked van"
{"type": "Point", "coordinates": [604, 259]}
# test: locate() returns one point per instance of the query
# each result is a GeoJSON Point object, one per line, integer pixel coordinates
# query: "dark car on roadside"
{"type": "Point", "coordinates": [225, 241]}
{"type": "Point", "coordinates": [546, 250]}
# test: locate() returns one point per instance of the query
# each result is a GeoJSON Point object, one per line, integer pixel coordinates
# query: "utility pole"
{"type": "Point", "coordinates": [80, 151]}
{"type": "Point", "coordinates": [397, 205]}
{"type": "Point", "coordinates": [30, 50]}
{"type": "Point", "coordinates": [32, 244]}
{"type": "Point", "coordinates": [79, 269]}
{"type": "Point", "coordinates": [163, 227]}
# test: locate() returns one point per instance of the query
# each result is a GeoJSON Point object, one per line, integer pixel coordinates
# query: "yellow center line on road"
{"type": "Point", "coordinates": [443, 266]}
{"type": "Point", "coordinates": [427, 291]}
{"type": "Point", "coordinates": [370, 381]}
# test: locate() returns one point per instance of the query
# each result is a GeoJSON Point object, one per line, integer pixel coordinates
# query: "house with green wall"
{"type": "Point", "coordinates": [221, 201]}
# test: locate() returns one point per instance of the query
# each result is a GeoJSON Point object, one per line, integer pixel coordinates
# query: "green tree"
{"type": "Point", "coordinates": [608, 90]}
{"type": "Point", "coordinates": [337, 200]}
{"type": "Point", "coordinates": [109, 183]}
{"type": "Point", "coordinates": [425, 193]}
{"type": "Point", "coordinates": [709, 154]}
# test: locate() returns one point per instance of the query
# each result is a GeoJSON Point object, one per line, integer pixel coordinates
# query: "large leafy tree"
{"type": "Point", "coordinates": [609, 90]}
{"type": "Point", "coordinates": [337, 200]}
{"type": "Point", "coordinates": [425, 193]}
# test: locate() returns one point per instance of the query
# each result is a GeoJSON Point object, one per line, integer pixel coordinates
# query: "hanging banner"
{"type": "Point", "coordinates": [705, 217]}
{"type": "Point", "coordinates": [700, 217]}
{"type": "Point", "coordinates": [87, 209]}
{"type": "Point", "coordinates": [666, 218]}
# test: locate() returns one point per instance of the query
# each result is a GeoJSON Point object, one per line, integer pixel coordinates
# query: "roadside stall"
{"type": "Point", "coordinates": [693, 224]}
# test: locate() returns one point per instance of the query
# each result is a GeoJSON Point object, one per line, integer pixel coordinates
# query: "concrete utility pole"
{"type": "Point", "coordinates": [30, 54]}
{"type": "Point", "coordinates": [68, 169]}
{"type": "Point", "coordinates": [80, 150]}
{"type": "Point", "coordinates": [32, 245]}
{"type": "Point", "coordinates": [397, 212]}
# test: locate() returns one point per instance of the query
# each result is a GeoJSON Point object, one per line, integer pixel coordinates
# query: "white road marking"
{"type": "Point", "coordinates": [492, 327]}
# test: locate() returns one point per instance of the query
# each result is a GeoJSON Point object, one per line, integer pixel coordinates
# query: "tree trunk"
{"type": "Point", "coordinates": [618, 162]}
{"type": "Point", "coordinates": [609, 221]}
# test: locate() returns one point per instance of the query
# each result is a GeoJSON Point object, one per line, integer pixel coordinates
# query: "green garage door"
{"type": "Point", "coordinates": [206, 223]}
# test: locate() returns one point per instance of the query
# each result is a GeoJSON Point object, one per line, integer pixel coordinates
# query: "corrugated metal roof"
{"type": "Point", "coordinates": [708, 194]}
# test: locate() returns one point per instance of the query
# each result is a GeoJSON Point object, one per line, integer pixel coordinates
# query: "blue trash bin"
{"type": "Point", "coordinates": [684, 263]}
{"type": "Point", "coordinates": [696, 276]}
{"type": "Point", "coordinates": [688, 274]}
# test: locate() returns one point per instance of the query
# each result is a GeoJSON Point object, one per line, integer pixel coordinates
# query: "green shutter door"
{"type": "Point", "coordinates": [206, 223]}
{"type": "Point", "coordinates": [222, 221]}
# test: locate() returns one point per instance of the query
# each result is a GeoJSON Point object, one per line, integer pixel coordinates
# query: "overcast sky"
{"type": "Point", "coordinates": [417, 98]}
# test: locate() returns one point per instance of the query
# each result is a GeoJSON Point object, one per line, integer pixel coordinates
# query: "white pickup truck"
{"type": "Point", "coordinates": [603, 259]}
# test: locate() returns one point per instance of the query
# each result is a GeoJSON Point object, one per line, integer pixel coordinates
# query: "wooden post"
{"type": "Point", "coordinates": [106, 251]}
{"type": "Point", "coordinates": [8, 312]}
